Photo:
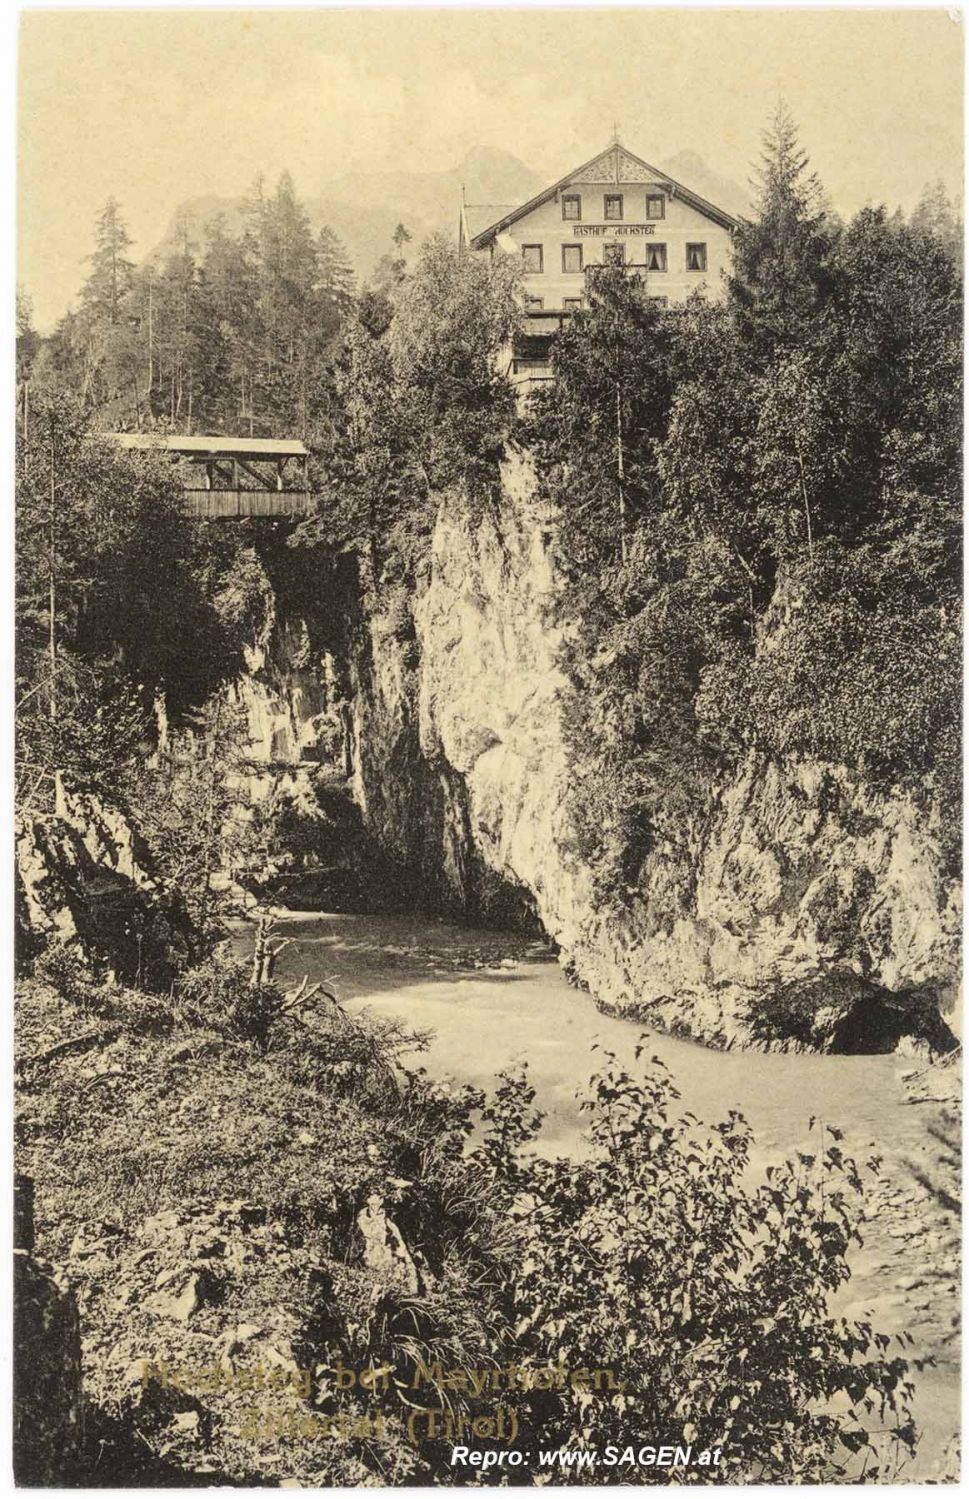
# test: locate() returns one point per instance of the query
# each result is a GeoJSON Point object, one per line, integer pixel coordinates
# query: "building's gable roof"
{"type": "Point", "coordinates": [479, 217]}
{"type": "Point", "coordinates": [615, 164]}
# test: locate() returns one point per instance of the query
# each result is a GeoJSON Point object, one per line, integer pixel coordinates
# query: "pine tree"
{"type": "Point", "coordinates": [288, 272]}
{"type": "Point", "coordinates": [28, 341]}
{"type": "Point", "coordinates": [96, 350]}
{"type": "Point", "coordinates": [935, 215]}
{"type": "Point", "coordinates": [287, 306]}
{"type": "Point", "coordinates": [779, 266]}
{"type": "Point", "coordinates": [231, 330]}
{"type": "Point", "coordinates": [391, 269]}
{"type": "Point", "coordinates": [336, 279]}
{"type": "Point", "coordinates": [110, 276]}
{"type": "Point", "coordinates": [175, 315]}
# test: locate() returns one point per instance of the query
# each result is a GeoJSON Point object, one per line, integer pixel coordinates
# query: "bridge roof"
{"type": "Point", "coordinates": [213, 447]}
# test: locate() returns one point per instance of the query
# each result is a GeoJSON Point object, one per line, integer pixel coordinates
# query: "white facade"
{"type": "Point", "coordinates": [615, 207]}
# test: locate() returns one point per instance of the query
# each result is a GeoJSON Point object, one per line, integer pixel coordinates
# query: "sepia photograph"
{"type": "Point", "coordinates": [488, 746]}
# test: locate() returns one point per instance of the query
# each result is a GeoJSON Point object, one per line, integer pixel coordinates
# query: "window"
{"type": "Point", "coordinates": [571, 206]}
{"type": "Point", "coordinates": [696, 257]}
{"type": "Point", "coordinates": [534, 304]}
{"type": "Point", "coordinates": [571, 304]}
{"type": "Point", "coordinates": [656, 257]}
{"type": "Point", "coordinates": [614, 254]}
{"type": "Point", "coordinates": [571, 257]}
{"type": "Point", "coordinates": [660, 302]}
{"type": "Point", "coordinates": [533, 258]}
{"type": "Point", "coordinates": [655, 206]}
{"type": "Point", "coordinates": [613, 209]}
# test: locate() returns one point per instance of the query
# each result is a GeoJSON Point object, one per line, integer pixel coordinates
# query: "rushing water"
{"type": "Point", "coordinates": [492, 1001]}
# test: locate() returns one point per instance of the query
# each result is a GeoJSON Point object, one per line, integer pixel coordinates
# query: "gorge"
{"type": "Point", "coordinates": [818, 912]}
{"type": "Point", "coordinates": [443, 730]}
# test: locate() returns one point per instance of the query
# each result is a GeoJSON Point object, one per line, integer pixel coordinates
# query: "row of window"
{"type": "Point", "coordinates": [612, 206]}
{"type": "Point", "coordinates": [571, 304]}
{"type": "Point", "coordinates": [533, 257]}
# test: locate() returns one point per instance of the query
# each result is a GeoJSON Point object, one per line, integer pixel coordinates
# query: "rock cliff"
{"type": "Point", "coordinates": [819, 912]}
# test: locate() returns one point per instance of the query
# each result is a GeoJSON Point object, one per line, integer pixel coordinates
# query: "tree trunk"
{"type": "Point", "coordinates": [52, 588]}
{"type": "Point", "coordinates": [804, 498]}
{"type": "Point", "coordinates": [151, 351]}
{"type": "Point", "coordinates": [620, 475]}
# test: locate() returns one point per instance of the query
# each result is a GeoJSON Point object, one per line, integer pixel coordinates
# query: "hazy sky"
{"type": "Point", "coordinates": [155, 107]}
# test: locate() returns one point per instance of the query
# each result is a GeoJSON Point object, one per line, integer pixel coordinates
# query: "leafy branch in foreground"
{"type": "Point", "coordinates": [706, 1294]}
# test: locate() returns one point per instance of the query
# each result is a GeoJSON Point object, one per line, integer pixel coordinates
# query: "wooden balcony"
{"type": "Point", "coordinates": [237, 504]}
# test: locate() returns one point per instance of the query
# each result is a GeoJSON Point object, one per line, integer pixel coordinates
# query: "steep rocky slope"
{"type": "Point", "coordinates": [819, 912]}
{"type": "Point", "coordinates": [800, 909]}
{"type": "Point", "coordinates": [84, 877]}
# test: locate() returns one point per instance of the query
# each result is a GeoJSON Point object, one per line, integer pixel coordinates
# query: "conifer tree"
{"type": "Point", "coordinates": [229, 315]}
{"type": "Point", "coordinates": [934, 215]}
{"type": "Point", "coordinates": [779, 263]}
{"type": "Point", "coordinates": [336, 278]}
{"type": "Point", "coordinates": [111, 272]}
{"type": "Point", "coordinates": [175, 314]}
{"type": "Point", "coordinates": [27, 340]}
{"type": "Point", "coordinates": [391, 269]}
{"type": "Point", "coordinates": [94, 352]}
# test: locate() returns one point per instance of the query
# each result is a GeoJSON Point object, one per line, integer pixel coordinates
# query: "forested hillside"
{"type": "Point", "coordinates": [231, 335]}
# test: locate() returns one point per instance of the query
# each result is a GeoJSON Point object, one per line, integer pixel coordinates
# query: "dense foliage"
{"type": "Point", "coordinates": [121, 598]}
{"type": "Point", "coordinates": [133, 618]}
{"type": "Point", "coordinates": [760, 519]}
{"type": "Point", "coordinates": [421, 409]}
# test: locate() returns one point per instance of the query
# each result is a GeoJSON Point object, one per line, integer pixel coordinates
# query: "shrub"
{"type": "Point", "coordinates": [706, 1295]}
{"type": "Point", "coordinates": [63, 966]}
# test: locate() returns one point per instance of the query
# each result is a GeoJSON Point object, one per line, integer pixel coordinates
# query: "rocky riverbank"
{"type": "Point", "coordinates": [287, 1201]}
{"type": "Point", "coordinates": [913, 1258]}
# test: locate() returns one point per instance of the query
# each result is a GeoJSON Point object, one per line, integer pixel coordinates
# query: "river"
{"type": "Point", "coordinates": [493, 1000]}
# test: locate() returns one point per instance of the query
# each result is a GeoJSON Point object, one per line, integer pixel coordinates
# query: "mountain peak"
{"type": "Point", "coordinates": [689, 167]}
{"type": "Point", "coordinates": [690, 161]}
{"type": "Point", "coordinates": [488, 156]}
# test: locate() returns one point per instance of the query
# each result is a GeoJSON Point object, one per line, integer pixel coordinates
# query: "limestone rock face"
{"type": "Point", "coordinates": [819, 914]}
{"type": "Point", "coordinates": [84, 878]}
{"type": "Point", "coordinates": [285, 691]}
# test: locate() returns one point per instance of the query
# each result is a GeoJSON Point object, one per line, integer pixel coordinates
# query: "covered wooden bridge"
{"type": "Point", "coordinates": [229, 477]}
